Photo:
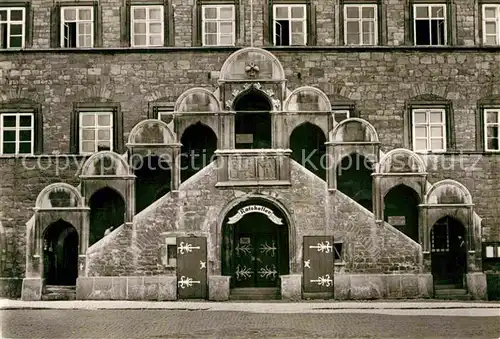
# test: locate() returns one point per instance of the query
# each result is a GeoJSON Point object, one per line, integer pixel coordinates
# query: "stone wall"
{"type": "Point", "coordinates": [198, 209]}
{"type": "Point", "coordinates": [379, 82]}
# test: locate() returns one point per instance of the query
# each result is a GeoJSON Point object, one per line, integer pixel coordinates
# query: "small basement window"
{"type": "Point", "coordinates": [169, 252]}
{"type": "Point", "coordinates": [338, 252]}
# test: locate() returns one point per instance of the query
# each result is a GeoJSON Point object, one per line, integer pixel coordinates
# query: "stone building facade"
{"type": "Point", "coordinates": [301, 149]}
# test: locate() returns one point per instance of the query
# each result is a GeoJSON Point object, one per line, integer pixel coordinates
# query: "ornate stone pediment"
{"type": "Point", "coordinates": [236, 90]}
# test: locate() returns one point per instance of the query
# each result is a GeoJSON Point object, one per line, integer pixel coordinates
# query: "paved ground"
{"type": "Point", "coordinates": [160, 324]}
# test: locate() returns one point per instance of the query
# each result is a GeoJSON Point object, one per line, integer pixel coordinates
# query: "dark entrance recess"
{"type": "Point", "coordinates": [354, 178]}
{"type": "Point", "coordinates": [307, 143]}
{"type": "Point", "coordinates": [253, 121]}
{"type": "Point", "coordinates": [255, 249]}
{"type": "Point", "coordinates": [107, 209]}
{"type": "Point", "coordinates": [60, 254]}
{"type": "Point", "coordinates": [401, 210]}
{"type": "Point", "coordinates": [448, 252]}
{"type": "Point", "coordinates": [152, 182]}
{"type": "Point", "coordinates": [199, 143]}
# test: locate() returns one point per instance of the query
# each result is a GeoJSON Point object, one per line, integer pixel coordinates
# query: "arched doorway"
{"type": "Point", "coordinates": [448, 252]}
{"type": "Point", "coordinates": [199, 143]}
{"type": "Point", "coordinates": [401, 210]}
{"type": "Point", "coordinates": [307, 143]}
{"type": "Point", "coordinates": [152, 182]}
{"type": "Point", "coordinates": [107, 212]}
{"type": "Point", "coordinates": [60, 254]}
{"type": "Point", "coordinates": [253, 121]}
{"type": "Point", "coordinates": [255, 249]}
{"type": "Point", "coordinates": [354, 178]}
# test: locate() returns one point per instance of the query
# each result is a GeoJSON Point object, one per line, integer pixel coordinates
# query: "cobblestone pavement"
{"type": "Point", "coordinates": [159, 324]}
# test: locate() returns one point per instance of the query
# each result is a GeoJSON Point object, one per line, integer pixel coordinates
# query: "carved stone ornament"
{"type": "Point", "coordinates": [252, 70]}
{"type": "Point", "coordinates": [254, 85]}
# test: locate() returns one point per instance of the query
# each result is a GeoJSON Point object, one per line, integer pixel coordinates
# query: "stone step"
{"type": "Point", "coordinates": [444, 287]}
{"type": "Point", "coordinates": [57, 292]}
{"type": "Point", "coordinates": [451, 291]}
{"type": "Point", "coordinates": [254, 293]}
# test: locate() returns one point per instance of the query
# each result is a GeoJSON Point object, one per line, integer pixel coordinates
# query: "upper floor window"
{"type": "Point", "coordinates": [360, 24]}
{"type": "Point", "coordinates": [96, 127]}
{"type": "Point", "coordinates": [429, 130]}
{"type": "Point", "coordinates": [20, 127]}
{"type": "Point", "coordinates": [96, 132]}
{"type": "Point", "coordinates": [429, 24]}
{"type": "Point", "coordinates": [12, 27]}
{"type": "Point", "coordinates": [491, 24]}
{"type": "Point", "coordinates": [290, 25]}
{"type": "Point", "coordinates": [147, 26]}
{"type": "Point", "coordinates": [77, 27]}
{"type": "Point", "coordinates": [340, 115]}
{"type": "Point", "coordinates": [17, 135]}
{"type": "Point", "coordinates": [218, 25]}
{"type": "Point", "coordinates": [491, 129]}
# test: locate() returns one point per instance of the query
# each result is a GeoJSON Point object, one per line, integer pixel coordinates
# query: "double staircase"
{"type": "Point", "coordinates": [59, 292]}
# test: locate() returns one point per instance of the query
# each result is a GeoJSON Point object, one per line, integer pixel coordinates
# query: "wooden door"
{"type": "Point", "coordinates": [191, 267]}
{"type": "Point", "coordinates": [318, 266]}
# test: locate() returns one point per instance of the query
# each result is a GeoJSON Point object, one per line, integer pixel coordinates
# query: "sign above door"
{"type": "Point", "coordinates": [255, 209]}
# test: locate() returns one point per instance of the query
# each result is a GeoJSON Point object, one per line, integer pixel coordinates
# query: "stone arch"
{"type": "Point", "coordinates": [252, 62]}
{"type": "Point", "coordinates": [105, 163]}
{"type": "Point", "coordinates": [448, 191]}
{"type": "Point", "coordinates": [197, 99]}
{"type": "Point", "coordinates": [293, 256]}
{"type": "Point", "coordinates": [353, 175]}
{"type": "Point", "coordinates": [306, 139]}
{"type": "Point", "coordinates": [402, 201]}
{"type": "Point", "coordinates": [151, 132]}
{"type": "Point", "coordinates": [354, 130]}
{"type": "Point", "coordinates": [107, 208]}
{"type": "Point", "coordinates": [401, 160]}
{"type": "Point", "coordinates": [59, 195]}
{"type": "Point", "coordinates": [307, 99]}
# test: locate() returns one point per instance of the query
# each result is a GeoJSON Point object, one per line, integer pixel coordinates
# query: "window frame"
{"type": "Point", "coordinates": [96, 128]}
{"type": "Point", "coordinates": [89, 107]}
{"type": "Point", "coordinates": [450, 35]}
{"type": "Point", "coordinates": [360, 21]}
{"type": "Point", "coordinates": [429, 101]}
{"type": "Point", "coordinates": [304, 22]}
{"type": "Point", "coordinates": [484, 113]}
{"type": "Point", "coordinates": [428, 126]}
{"type": "Point", "coordinates": [17, 129]}
{"type": "Point", "coordinates": [24, 23]}
{"type": "Point", "coordinates": [218, 20]}
{"type": "Point", "coordinates": [482, 23]}
{"type": "Point", "coordinates": [147, 6]}
{"type": "Point", "coordinates": [62, 23]}
{"type": "Point", "coordinates": [429, 7]}
{"type": "Point", "coordinates": [24, 107]}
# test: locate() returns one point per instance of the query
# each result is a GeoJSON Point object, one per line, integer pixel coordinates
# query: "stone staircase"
{"type": "Point", "coordinates": [58, 292]}
{"type": "Point", "coordinates": [255, 293]}
{"type": "Point", "coordinates": [450, 292]}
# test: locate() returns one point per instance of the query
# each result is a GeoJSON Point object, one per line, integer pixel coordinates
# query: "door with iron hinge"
{"type": "Point", "coordinates": [318, 265]}
{"type": "Point", "coordinates": [192, 267]}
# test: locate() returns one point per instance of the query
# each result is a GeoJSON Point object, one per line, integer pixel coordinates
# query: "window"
{"type": "Point", "coordinates": [96, 132]}
{"type": "Point", "coordinates": [20, 128]}
{"type": "Point", "coordinates": [147, 26]}
{"type": "Point", "coordinates": [218, 25]}
{"type": "Point", "coordinates": [360, 25]}
{"type": "Point", "coordinates": [12, 27]}
{"type": "Point", "coordinates": [429, 130]}
{"type": "Point", "coordinates": [169, 252]}
{"type": "Point", "coordinates": [96, 127]}
{"type": "Point", "coordinates": [161, 110]}
{"type": "Point", "coordinates": [17, 135]}
{"type": "Point", "coordinates": [77, 27]}
{"type": "Point", "coordinates": [429, 24]}
{"type": "Point", "coordinates": [491, 250]}
{"type": "Point", "coordinates": [491, 24]}
{"type": "Point", "coordinates": [341, 115]}
{"type": "Point", "coordinates": [290, 25]}
{"type": "Point", "coordinates": [338, 255]}
{"type": "Point", "coordinates": [491, 129]}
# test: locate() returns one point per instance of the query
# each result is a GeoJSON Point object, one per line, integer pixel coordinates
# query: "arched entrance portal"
{"type": "Point", "coordinates": [401, 210]}
{"type": "Point", "coordinates": [255, 249]}
{"type": "Point", "coordinates": [199, 143]}
{"type": "Point", "coordinates": [253, 121]}
{"type": "Point", "coordinates": [307, 142]}
{"type": "Point", "coordinates": [448, 252]}
{"type": "Point", "coordinates": [60, 254]}
{"type": "Point", "coordinates": [107, 212]}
